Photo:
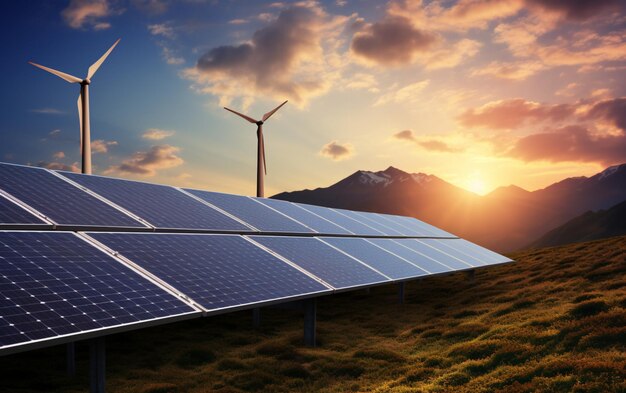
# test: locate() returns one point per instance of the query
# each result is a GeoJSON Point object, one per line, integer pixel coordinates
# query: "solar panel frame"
{"type": "Point", "coordinates": [15, 207]}
{"type": "Point", "coordinates": [192, 312]}
{"type": "Point", "coordinates": [61, 219]}
{"type": "Point", "coordinates": [148, 216]}
{"type": "Point", "coordinates": [180, 290]}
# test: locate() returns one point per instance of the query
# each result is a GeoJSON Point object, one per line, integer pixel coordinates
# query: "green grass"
{"type": "Point", "coordinates": [555, 321]}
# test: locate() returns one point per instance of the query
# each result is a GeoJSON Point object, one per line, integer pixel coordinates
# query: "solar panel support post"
{"type": "Point", "coordinates": [256, 317]}
{"type": "Point", "coordinates": [97, 366]}
{"type": "Point", "coordinates": [70, 358]}
{"type": "Point", "coordinates": [310, 320]}
{"type": "Point", "coordinates": [471, 275]}
{"type": "Point", "coordinates": [401, 292]}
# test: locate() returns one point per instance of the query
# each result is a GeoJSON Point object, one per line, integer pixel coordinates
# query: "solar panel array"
{"type": "Point", "coordinates": [237, 252]}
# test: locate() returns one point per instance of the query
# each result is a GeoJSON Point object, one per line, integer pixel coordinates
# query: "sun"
{"type": "Point", "coordinates": [477, 186]}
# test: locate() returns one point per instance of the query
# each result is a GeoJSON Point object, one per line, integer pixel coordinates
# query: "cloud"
{"type": "Point", "coordinates": [509, 70]}
{"type": "Point", "coordinates": [453, 55]}
{"type": "Point", "coordinates": [58, 166]}
{"type": "Point", "coordinates": [54, 133]}
{"type": "Point", "coordinates": [58, 155]}
{"type": "Point", "coordinates": [156, 134]}
{"type": "Point", "coordinates": [337, 151]}
{"type": "Point", "coordinates": [283, 60]}
{"type": "Point", "coordinates": [102, 146]}
{"type": "Point", "coordinates": [392, 41]}
{"type": "Point", "coordinates": [147, 163]}
{"type": "Point", "coordinates": [88, 13]}
{"type": "Point", "coordinates": [237, 21]}
{"type": "Point", "coordinates": [403, 95]}
{"type": "Point", "coordinates": [428, 144]}
{"type": "Point", "coordinates": [509, 114]}
{"type": "Point", "coordinates": [48, 111]}
{"type": "Point", "coordinates": [574, 10]}
{"type": "Point", "coordinates": [151, 7]}
{"type": "Point", "coordinates": [162, 29]}
{"type": "Point", "coordinates": [170, 57]}
{"type": "Point", "coordinates": [571, 143]}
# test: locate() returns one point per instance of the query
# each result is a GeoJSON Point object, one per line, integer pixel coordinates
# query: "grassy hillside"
{"type": "Point", "coordinates": [555, 321]}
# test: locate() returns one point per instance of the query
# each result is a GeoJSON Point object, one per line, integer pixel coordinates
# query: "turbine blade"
{"type": "Point", "coordinates": [251, 120]}
{"type": "Point", "coordinates": [94, 67]}
{"type": "Point", "coordinates": [62, 75]}
{"type": "Point", "coordinates": [270, 113]}
{"type": "Point", "coordinates": [80, 119]}
{"type": "Point", "coordinates": [263, 153]}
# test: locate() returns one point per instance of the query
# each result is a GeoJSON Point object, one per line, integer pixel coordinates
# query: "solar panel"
{"type": "Point", "coordinates": [248, 210]}
{"type": "Point", "coordinates": [416, 227]}
{"type": "Point", "coordinates": [419, 260]}
{"type": "Point", "coordinates": [323, 261]}
{"type": "Point", "coordinates": [428, 248]}
{"type": "Point", "coordinates": [59, 200]}
{"type": "Point", "coordinates": [161, 206]}
{"type": "Point", "coordinates": [377, 224]}
{"type": "Point", "coordinates": [55, 284]}
{"type": "Point", "coordinates": [381, 260]}
{"type": "Point", "coordinates": [335, 216]}
{"type": "Point", "coordinates": [473, 253]}
{"type": "Point", "coordinates": [11, 213]}
{"type": "Point", "coordinates": [216, 271]}
{"type": "Point", "coordinates": [309, 219]}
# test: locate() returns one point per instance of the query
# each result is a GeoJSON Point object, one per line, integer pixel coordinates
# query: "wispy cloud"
{"type": "Point", "coordinates": [157, 134]}
{"type": "Point", "coordinates": [89, 13]}
{"type": "Point", "coordinates": [337, 151]}
{"type": "Point", "coordinates": [162, 29]}
{"type": "Point", "coordinates": [101, 146]}
{"type": "Point", "coordinates": [430, 144]}
{"type": "Point", "coordinates": [404, 95]}
{"type": "Point", "coordinates": [148, 163]}
{"type": "Point", "coordinates": [48, 111]}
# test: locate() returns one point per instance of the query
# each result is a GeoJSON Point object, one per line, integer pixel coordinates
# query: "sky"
{"type": "Point", "coordinates": [481, 93]}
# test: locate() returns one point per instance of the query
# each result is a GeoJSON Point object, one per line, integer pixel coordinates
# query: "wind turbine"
{"type": "Point", "coordinates": [83, 105]}
{"type": "Point", "coordinates": [260, 180]}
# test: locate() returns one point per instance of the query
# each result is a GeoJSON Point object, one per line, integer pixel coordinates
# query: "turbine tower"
{"type": "Point", "coordinates": [83, 105]}
{"type": "Point", "coordinates": [261, 168]}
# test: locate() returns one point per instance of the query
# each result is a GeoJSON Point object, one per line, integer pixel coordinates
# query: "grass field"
{"type": "Point", "coordinates": [555, 321]}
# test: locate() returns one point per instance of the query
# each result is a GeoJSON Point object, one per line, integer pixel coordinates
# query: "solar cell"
{"type": "Point", "coordinates": [11, 213]}
{"type": "Point", "coordinates": [216, 271]}
{"type": "Point", "coordinates": [161, 206]}
{"type": "Point", "coordinates": [474, 249]}
{"type": "Point", "coordinates": [370, 220]}
{"type": "Point", "coordinates": [427, 248]}
{"type": "Point", "coordinates": [417, 227]}
{"type": "Point", "coordinates": [55, 284]}
{"type": "Point", "coordinates": [335, 216]}
{"type": "Point", "coordinates": [419, 260]}
{"type": "Point", "coordinates": [323, 261]}
{"type": "Point", "coordinates": [381, 260]}
{"type": "Point", "coordinates": [59, 200]}
{"type": "Point", "coordinates": [309, 219]}
{"type": "Point", "coordinates": [250, 211]}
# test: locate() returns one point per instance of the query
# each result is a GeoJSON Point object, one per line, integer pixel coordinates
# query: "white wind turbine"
{"type": "Point", "coordinates": [260, 180]}
{"type": "Point", "coordinates": [83, 105]}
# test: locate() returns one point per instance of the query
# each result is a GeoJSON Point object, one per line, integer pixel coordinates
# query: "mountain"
{"type": "Point", "coordinates": [506, 219]}
{"type": "Point", "coordinates": [588, 226]}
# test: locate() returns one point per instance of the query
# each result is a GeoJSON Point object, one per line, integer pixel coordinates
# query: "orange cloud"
{"type": "Point", "coordinates": [509, 114]}
{"type": "Point", "coordinates": [81, 13]}
{"type": "Point", "coordinates": [337, 151]}
{"type": "Point", "coordinates": [147, 163]}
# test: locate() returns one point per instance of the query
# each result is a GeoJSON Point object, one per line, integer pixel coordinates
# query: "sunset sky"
{"type": "Point", "coordinates": [482, 93]}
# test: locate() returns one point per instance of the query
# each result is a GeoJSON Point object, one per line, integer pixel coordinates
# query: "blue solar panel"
{"type": "Point", "coordinates": [309, 219]}
{"type": "Point", "coordinates": [421, 226]}
{"type": "Point", "coordinates": [57, 199]}
{"type": "Point", "coordinates": [248, 210]}
{"type": "Point", "coordinates": [54, 284]}
{"type": "Point", "coordinates": [370, 220]}
{"type": "Point", "coordinates": [381, 260]}
{"type": "Point", "coordinates": [216, 271]}
{"type": "Point", "coordinates": [486, 255]}
{"type": "Point", "coordinates": [449, 248]}
{"type": "Point", "coordinates": [409, 225]}
{"type": "Point", "coordinates": [11, 213]}
{"type": "Point", "coordinates": [417, 259]}
{"type": "Point", "coordinates": [161, 206]}
{"type": "Point", "coordinates": [428, 248]}
{"type": "Point", "coordinates": [335, 216]}
{"type": "Point", "coordinates": [323, 261]}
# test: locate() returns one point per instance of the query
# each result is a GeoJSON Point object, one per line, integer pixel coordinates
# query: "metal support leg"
{"type": "Point", "coordinates": [256, 318]}
{"type": "Point", "coordinates": [70, 358]}
{"type": "Point", "coordinates": [97, 367]}
{"type": "Point", "coordinates": [310, 311]}
{"type": "Point", "coordinates": [401, 293]}
{"type": "Point", "coordinates": [471, 275]}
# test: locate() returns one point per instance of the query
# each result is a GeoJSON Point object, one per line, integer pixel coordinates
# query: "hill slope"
{"type": "Point", "coordinates": [506, 219]}
{"type": "Point", "coordinates": [555, 321]}
{"type": "Point", "coordinates": [589, 226]}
